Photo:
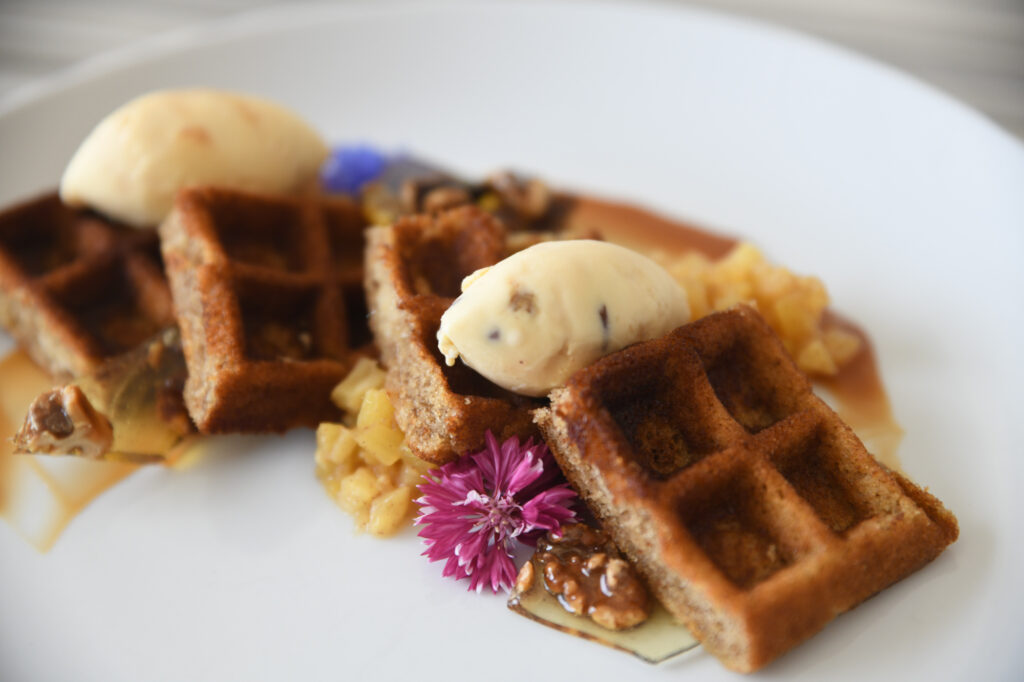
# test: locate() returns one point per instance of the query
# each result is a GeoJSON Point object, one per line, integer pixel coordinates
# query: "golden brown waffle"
{"type": "Point", "coordinates": [414, 270]}
{"type": "Point", "coordinates": [269, 297]}
{"type": "Point", "coordinates": [753, 511]}
{"type": "Point", "coordinates": [76, 289]}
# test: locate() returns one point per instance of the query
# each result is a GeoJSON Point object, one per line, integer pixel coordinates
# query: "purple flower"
{"type": "Point", "coordinates": [473, 509]}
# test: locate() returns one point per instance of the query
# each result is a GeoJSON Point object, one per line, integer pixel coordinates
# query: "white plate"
{"type": "Point", "coordinates": [909, 205]}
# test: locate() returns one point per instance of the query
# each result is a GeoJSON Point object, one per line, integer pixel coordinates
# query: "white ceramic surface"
{"type": "Point", "coordinates": [908, 205]}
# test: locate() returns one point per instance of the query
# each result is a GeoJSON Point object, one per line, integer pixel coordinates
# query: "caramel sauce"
{"type": "Point", "coordinates": [40, 495]}
{"type": "Point", "coordinates": [641, 229]}
{"type": "Point", "coordinates": [856, 392]}
{"type": "Point", "coordinates": [861, 400]}
{"type": "Point", "coordinates": [583, 569]}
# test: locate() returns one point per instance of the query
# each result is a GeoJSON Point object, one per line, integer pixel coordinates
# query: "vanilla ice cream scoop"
{"type": "Point", "coordinates": [533, 319]}
{"type": "Point", "coordinates": [134, 162]}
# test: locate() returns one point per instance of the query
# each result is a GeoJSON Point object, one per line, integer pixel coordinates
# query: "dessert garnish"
{"type": "Point", "coordinates": [474, 509]}
{"type": "Point", "coordinates": [531, 320]}
{"type": "Point", "coordinates": [392, 185]}
{"type": "Point", "coordinates": [136, 159]}
{"type": "Point", "coordinates": [363, 463]}
{"type": "Point", "coordinates": [63, 420]}
{"type": "Point", "coordinates": [40, 495]}
{"type": "Point", "coordinates": [578, 583]}
{"type": "Point", "coordinates": [128, 409]}
{"type": "Point", "coordinates": [350, 167]}
{"type": "Point", "coordinates": [794, 305]}
{"type": "Point", "coordinates": [584, 570]}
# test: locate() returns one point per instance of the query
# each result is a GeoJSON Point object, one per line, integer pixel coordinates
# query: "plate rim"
{"type": "Point", "coordinates": [270, 18]}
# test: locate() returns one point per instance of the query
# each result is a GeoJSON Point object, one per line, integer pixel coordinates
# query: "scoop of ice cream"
{"type": "Point", "coordinates": [530, 321]}
{"type": "Point", "coordinates": [132, 164]}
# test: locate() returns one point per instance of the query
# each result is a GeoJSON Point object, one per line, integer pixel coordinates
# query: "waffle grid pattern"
{"type": "Point", "coordinates": [76, 289]}
{"type": "Point", "coordinates": [268, 293]}
{"type": "Point", "coordinates": [753, 510]}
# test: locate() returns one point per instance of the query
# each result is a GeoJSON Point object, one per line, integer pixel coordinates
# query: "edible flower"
{"type": "Point", "coordinates": [350, 167]}
{"type": "Point", "coordinates": [474, 509]}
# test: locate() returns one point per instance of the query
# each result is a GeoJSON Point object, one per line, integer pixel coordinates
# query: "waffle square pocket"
{"type": "Point", "coordinates": [76, 288]}
{"type": "Point", "coordinates": [268, 294]}
{"type": "Point", "coordinates": [753, 511]}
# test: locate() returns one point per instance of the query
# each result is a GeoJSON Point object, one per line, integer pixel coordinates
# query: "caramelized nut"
{"type": "Point", "coordinates": [596, 561]}
{"type": "Point", "coordinates": [443, 198]}
{"type": "Point", "coordinates": [618, 573]}
{"type": "Point", "coordinates": [585, 572]}
{"type": "Point", "coordinates": [524, 581]}
{"type": "Point", "coordinates": [63, 420]}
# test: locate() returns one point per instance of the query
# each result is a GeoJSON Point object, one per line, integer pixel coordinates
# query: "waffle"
{"type": "Point", "coordinates": [754, 512]}
{"type": "Point", "coordinates": [414, 272]}
{"type": "Point", "coordinates": [76, 289]}
{"type": "Point", "coordinates": [268, 294]}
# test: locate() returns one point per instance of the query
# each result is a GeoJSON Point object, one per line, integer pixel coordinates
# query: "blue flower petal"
{"type": "Point", "coordinates": [349, 167]}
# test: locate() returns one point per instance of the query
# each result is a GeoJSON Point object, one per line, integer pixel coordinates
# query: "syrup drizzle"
{"type": "Point", "coordinates": [861, 400]}
{"type": "Point", "coordinates": [40, 495]}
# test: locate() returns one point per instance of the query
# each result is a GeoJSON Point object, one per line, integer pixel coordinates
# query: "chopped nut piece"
{"type": "Point", "coordinates": [584, 571]}
{"type": "Point", "coordinates": [524, 581]}
{"type": "Point", "coordinates": [63, 420]}
{"type": "Point", "coordinates": [425, 195]}
{"type": "Point", "coordinates": [596, 561]}
{"type": "Point", "coordinates": [442, 198]}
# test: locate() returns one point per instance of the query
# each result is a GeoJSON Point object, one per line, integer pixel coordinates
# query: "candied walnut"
{"type": "Point", "coordinates": [583, 569]}
{"type": "Point", "coordinates": [431, 194]}
{"type": "Point", "coordinates": [445, 197]}
{"type": "Point", "coordinates": [63, 420]}
{"type": "Point", "coordinates": [528, 197]}
{"type": "Point", "coordinates": [522, 203]}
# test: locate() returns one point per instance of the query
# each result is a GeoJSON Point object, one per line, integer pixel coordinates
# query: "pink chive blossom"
{"type": "Point", "coordinates": [475, 508]}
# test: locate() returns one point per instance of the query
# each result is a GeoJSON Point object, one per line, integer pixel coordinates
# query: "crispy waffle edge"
{"type": "Point", "coordinates": [226, 391]}
{"type": "Point", "coordinates": [745, 627]}
{"type": "Point", "coordinates": [48, 329]}
{"type": "Point", "coordinates": [439, 423]}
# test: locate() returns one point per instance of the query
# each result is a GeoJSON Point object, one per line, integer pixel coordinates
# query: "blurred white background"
{"type": "Point", "coordinates": [972, 49]}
